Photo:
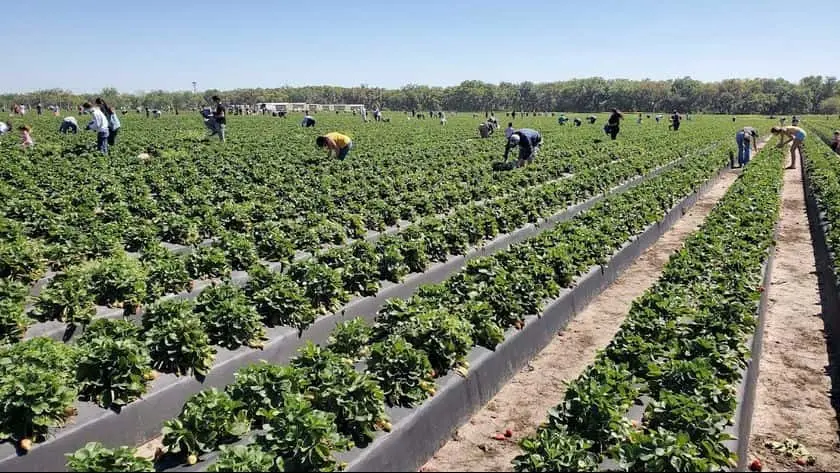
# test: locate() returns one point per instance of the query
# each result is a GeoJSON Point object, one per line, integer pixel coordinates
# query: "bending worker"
{"type": "Point", "coordinates": [336, 143]}
{"type": "Point", "coordinates": [793, 135]}
{"type": "Point", "coordinates": [529, 142]}
{"type": "Point", "coordinates": [69, 124]}
{"type": "Point", "coordinates": [308, 121]}
{"type": "Point", "coordinates": [744, 138]}
{"type": "Point", "coordinates": [485, 129]}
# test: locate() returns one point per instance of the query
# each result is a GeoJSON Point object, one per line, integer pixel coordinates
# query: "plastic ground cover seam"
{"type": "Point", "coordinates": [59, 330]}
{"type": "Point", "coordinates": [418, 433]}
{"type": "Point", "coordinates": [142, 419]}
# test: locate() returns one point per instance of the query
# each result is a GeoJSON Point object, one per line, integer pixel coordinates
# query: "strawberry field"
{"type": "Point", "coordinates": [255, 306]}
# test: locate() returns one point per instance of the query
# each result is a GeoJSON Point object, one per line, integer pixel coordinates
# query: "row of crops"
{"type": "Point", "coordinates": [301, 265]}
{"type": "Point", "coordinates": [680, 355]}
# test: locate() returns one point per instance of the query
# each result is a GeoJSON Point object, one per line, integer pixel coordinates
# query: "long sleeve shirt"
{"type": "Point", "coordinates": [99, 123]}
{"type": "Point", "coordinates": [528, 140]}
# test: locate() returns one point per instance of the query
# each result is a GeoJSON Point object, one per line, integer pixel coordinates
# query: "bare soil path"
{"type": "Point", "coordinates": [793, 398]}
{"type": "Point", "coordinates": [523, 402]}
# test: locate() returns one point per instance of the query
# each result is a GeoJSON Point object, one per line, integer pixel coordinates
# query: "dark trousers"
{"type": "Point", "coordinates": [112, 137]}
{"type": "Point", "coordinates": [102, 141]}
{"type": "Point", "coordinates": [67, 127]}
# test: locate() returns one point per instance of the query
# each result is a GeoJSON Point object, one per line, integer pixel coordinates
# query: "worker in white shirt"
{"type": "Point", "coordinates": [5, 128]}
{"type": "Point", "coordinates": [68, 125]}
{"type": "Point", "coordinates": [308, 121]}
{"type": "Point", "coordinates": [99, 124]}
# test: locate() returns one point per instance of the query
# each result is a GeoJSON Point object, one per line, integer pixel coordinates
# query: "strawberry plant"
{"type": "Point", "coordinates": [246, 458]}
{"type": "Point", "coordinates": [445, 337]}
{"type": "Point", "coordinates": [351, 338]}
{"type": "Point", "coordinates": [180, 345]}
{"type": "Point", "coordinates": [239, 250]}
{"type": "Point", "coordinates": [208, 262]}
{"type": "Point", "coordinates": [230, 320]}
{"type": "Point", "coordinates": [209, 418]}
{"type": "Point", "coordinates": [263, 385]}
{"type": "Point", "coordinates": [112, 371]}
{"type": "Point", "coordinates": [167, 272]}
{"type": "Point", "coordinates": [119, 281]}
{"type": "Point", "coordinates": [166, 310]}
{"type": "Point", "coordinates": [94, 457]}
{"type": "Point", "coordinates": [279, 300]}
{"type": "Point", "coordinates": [403, 372]}
{"type": "Point", "coordinates": [273, 243]}
{"type": "Point", "coordinates": [22, 259]}
{"type": "Point", "coordinates": [36, 389]}
{"type": "Point", "coordinates": [13, 322]}
{"type": "Point", "coordinates": [321, 285]}
{"type": "Point", "coordinates": [555, 450]}
{"type": "Point", "coordinates": [302, 436]}
{"type": "Point", "coordinates": [336, 387]}
{"type": "Point", "coordinates": [392, 264]}
{"type": "Point", "coordinates": [69, 298]}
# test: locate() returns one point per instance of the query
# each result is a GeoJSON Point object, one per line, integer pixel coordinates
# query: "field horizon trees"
{"type": "Point", "coordinates": [812, 94]}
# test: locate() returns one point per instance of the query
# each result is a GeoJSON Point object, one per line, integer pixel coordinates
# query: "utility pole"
{"type": "Point", "coordinates": [194, 87]}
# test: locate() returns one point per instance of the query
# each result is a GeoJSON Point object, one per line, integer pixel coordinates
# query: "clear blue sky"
{"type": "Point", "coordinates": [166, 44]}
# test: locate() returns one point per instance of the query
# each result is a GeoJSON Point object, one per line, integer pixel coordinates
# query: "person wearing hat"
{"type": "Point", "coordinates": [529, 142]}
{"type": "Point", "coordinates": [748, 135]}
{"type": "Point", "coordinates": [577, 122]}
{"type": "Point", "coordinates": [562, 119]}
{"type": "Point", "coordinates": [336, 143]}
{"type": "Point", "coordinates": [485, 129]}
{"type": "Point", "coordinates": [592, 119]}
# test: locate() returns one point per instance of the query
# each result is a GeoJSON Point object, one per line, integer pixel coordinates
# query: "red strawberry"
{"type": "Point", "coordinates": [755, 465]}
{"type": "Point", "coordinates": [508, 433]}
{"type": "Point", "coordinates": [800, 461]}
{"type": "Point", "coordinates": [499, 437]}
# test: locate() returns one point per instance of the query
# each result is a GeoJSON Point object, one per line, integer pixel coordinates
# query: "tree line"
{"type": "Point", "coordinates": [813, 94]}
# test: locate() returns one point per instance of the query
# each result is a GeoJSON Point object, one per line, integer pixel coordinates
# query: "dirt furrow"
{"type": "Point", "coordinates": [522, 404]}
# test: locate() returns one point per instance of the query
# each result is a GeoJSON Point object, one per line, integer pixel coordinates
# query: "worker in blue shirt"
{"type": "Point", "coordinates": [529, 142]}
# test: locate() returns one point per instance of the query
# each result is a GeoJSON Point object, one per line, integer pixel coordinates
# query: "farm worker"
{"type": "Point", "coordinates": [592, 119]}
{"type": "Point", "coordinates": [577, 122]}
{"type": "Point", "coordinates": [69, 124]}
{"type": "Point", "coordinates": [614, 123]}
{"type": "Point", "coordinates": [99, 124]}
{"type": "Point", "coordinates": [209, 121]}
{"type": "Point", "coordinates": [364, 114]}
{"type": "Point", "coordinates": [794, 135]}
{"type": "Point", "coordinates": [529, 142]}
{"type": "Point", "coordinates": [26, 136]}
{"type": "Point", "coordinates": [675, 121]}
{"type": "Point", "coordinates": [308, 121]}
{"type": "Point", "coordinates": [493, 120]}
{"type": "Point", "coordinates": [485, 130]}
{"type": "Point", "coordinates": [39, 108]}
{"type": "Point", "coordinates": [562, 119]}
{"type": "Point", "coordinates": [743, 139]}
{"type": "Point", "coordinates": [336, 143]}
{"type": "Point", "coordinates": [113, 122]}
{"type": "Point", "coordinates": [377, 115]}
{"type": "Point", "coordinates": [156, 113]}
{"type": "Point", "coordinates": [219, 118]}
{"type": "Point", "coordinates": [442, 118]}
{"type": "Point", "coordinates": [509, 131]}
{"type": "Point", "coordinates": [4, 128]}
{"type": "Point", "coordinates": [795, 121]}
{"type": "Point", "coordinates": [658, 118]}
{"type": "Point", "coordinates": [639, 120]}
{"type": "Point", "coordinates": [835, 143]}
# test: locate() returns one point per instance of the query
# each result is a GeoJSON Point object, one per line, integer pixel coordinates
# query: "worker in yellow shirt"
{"type": "Point", "coordinates": [336, 143]}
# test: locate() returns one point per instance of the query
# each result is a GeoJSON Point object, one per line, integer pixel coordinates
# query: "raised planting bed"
{"type": "Point", "coordinates": [142, 419]}
{"type": "Point", "coordinates": [678, 379]}
{"type": "Point", "coordinates": [417, 433]}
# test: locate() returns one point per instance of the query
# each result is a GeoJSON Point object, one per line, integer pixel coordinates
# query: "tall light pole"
{"type": "Point", "coordinates": [194, 87]}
